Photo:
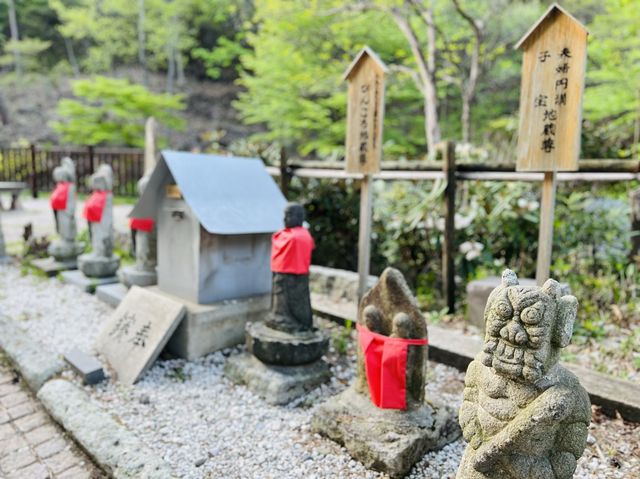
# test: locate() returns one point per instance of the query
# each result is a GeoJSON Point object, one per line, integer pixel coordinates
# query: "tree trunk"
{"type": "Point", "coordinates": [71, 56]}
{"type": "Point", "coordinates": [465, 118]}
{"type": "Point", "coordinates": [4, 113]}
{"type": "Point", "coordinates": [634, 199]}
{"type": "Point", "coordinates": [142, 53]}
{"type": "Point", "coordinates": [15, 36]}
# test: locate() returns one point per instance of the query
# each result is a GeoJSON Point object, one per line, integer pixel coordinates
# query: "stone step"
{"type": "Point", "coordinates": [452, 347]}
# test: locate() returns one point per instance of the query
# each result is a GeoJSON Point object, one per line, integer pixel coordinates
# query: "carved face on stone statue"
{"type": "Point", "coordinates": [526, 327]}
{"type": "Point", "coordinates": [293, 215]}
{"type": "Point", "coordinates": [65, 172]}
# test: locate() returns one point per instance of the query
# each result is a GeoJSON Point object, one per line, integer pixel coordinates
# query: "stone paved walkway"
{"type": "Point", "coordinates": [32, 446]}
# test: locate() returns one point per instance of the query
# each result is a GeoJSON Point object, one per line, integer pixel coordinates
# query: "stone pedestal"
{"type": "Point", "coordinates": [65, 251]}
{"type": "Point", "coordinates": [276, 384]}
{"type": "Point", "coordinates": [210, 327]}
{"type": "Point", "coordinates": [87, 284]}
{"type": "Point", "coordinates": [95, 266]}
{"type": "Point", "coordinates": [478, 292]}
{"type": "Point", "coordinates": [112, 294]}
{"type": "Point", "coordinates": [387, 440]}
{"type": "Point", "coordinates": [134, 275]}
{"type": "Point", "coordinates": [51, 267]}
{"type": "Point", "coordinates": [284, 349]}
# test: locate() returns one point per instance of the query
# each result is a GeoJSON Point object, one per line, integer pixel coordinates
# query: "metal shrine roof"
{"type": "Point", "coordinates": [228, 195]}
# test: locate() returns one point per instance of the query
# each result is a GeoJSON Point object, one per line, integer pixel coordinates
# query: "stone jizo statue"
{"type": "Point", "coordinates": [98, 211]}
{"type": "Point", "coordinates": [144, 235]}
{"type": "Point", "coordinates": [290, 261]}
{"type": "Point", "coordinates": [524, 415]}
{"type": "Point", "coordinates": [63, 202]}
{"type": "Point", "coordinates": [389, 312]}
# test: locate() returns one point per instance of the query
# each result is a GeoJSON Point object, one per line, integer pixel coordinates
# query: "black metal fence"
{"type": "Point", "coordinates": [34, 165]}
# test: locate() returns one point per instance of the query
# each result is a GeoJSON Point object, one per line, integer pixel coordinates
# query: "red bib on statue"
{"type": "Point", "coordinates": [94, 206]}
{"type": "Point", "coordinates": [141, 224]}
{"type": "Point", "coordinates": [386, 367]}
{"type": "Point", "coordinates": [59, 196]}
{"type": "Point", "coordinates": [291, 251]}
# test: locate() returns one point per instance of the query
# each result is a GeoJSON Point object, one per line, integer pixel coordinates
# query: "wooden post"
{"type": "Point", "coordinates": [545, 234]}
{"type": "Point", "coordinates": [34, 172]}
{"type": "Point", "coordinates": [449, 244]}
{"type": "Point", "coordinates": [634, 199]}
{"type": "Point", "coordinates": [363, 150]}
{"type": "Point", "coordinates": [364, 235]}
{"type": "Point", "coordinates": [285, 175]}
{"type": "Point", "coordinates": [92, 159]}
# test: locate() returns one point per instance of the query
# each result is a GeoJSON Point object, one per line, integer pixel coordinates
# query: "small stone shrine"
{"type": "Point", "coordinates": [65, 250]}
{"type": "Point", "coordinates": [383, 418]}
{"type": "Point", "coordinates": [214, 216]}
{"type": "Point", "coordinates": [285, 350]}
{"type": "Point", "coordinates": [98, 266]}
{"type": "Point", "coordinates": [524, 415]}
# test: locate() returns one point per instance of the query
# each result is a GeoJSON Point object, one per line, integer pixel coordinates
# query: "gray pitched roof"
{"type": "Point", "coordinates": [228, 195]}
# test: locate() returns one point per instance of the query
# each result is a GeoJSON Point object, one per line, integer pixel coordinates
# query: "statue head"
{"type": "Point", "coordinates": [525, 328]}
{"type": "Point", "coordinates": [293, 215]}
{"type": "Point", "coordinates": [66, 171]}
{"type": "Point", "coordinates": [102, 179]}
{"type": "Point", "coordinates": [402, 326]}
{"type": "Point", "coordinates": [373, 319]}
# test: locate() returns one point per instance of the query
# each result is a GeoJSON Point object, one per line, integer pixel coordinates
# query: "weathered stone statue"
{"type": "Point", "coordinates": [524, 415]}
{"type": "Point", "coordinates": [290, 260]}
{"type": "Point", "coordinates": [98, 211]}
{"type": "Point", "coordinates": [144, 234]}
{"type": "Point", "coordinates": [66, 249]}
{"type": "Point", "coordinates": [285, 349]}
{"type": "Point", "coordinates": [383, 419]}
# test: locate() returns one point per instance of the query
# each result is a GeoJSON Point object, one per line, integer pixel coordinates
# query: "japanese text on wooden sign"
{"type": "Point", "coordinates": [551, 94]}
{"type": "Point", "coordinates": [365, 113]}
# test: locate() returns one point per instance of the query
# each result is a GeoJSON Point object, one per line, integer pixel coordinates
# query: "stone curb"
{"type": "Point", "coordinates": [116, 449]}
{"type": "Point", "coordinates": [36, 363]}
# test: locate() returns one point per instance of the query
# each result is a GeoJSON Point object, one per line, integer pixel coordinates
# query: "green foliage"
{"type": "Point", "coordinates": [112, 111]}
{"type": "Point", "coordinates": [341, 337]}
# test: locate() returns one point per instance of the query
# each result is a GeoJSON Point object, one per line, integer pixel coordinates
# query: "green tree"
{"type": "Point", "coordinates": [111, 111]}
{"type": "Point", "coordinates": [612, 96]}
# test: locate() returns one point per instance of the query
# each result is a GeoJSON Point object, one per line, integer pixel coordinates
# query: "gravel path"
{"type": "Point", "coordinates": [206, 427]}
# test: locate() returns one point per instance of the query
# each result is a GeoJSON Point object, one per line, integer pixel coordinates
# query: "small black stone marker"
{"type": "Point", "coordinates": [87, 366]}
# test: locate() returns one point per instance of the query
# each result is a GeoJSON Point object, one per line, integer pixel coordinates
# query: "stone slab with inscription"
{"type": "Point", "coordinates": [138, 331]}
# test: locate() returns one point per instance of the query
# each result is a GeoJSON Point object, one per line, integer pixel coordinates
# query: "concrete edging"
{"type": "Point", "coordinates": [113, 447]}
{"type": "Point", "coordinates": [116, 449]}
{"type": "Point", "coordinates": [36, 363]}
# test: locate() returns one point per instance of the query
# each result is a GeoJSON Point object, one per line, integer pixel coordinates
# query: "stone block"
{"type": "Point", "coordinates": [210, 327]}
{"type": "Point", "coordinates": [387, 440]}
{"type": "Point", "coordinates": [87, 366]}
{"type": "Point", "coordinates": [133, 275]}
{"type": "Point", "coordinates": [86, 284]}
{"type": "Point", "coordinates": [51, 267]}
{"type": "Point", "coordinates": [97, 266]}
{"type": "Point", "coordinates": [276, 384]}
{"type": "Point", "coordinates": [478, 292]}
{"type": "Point", "coordinates": [338, 284]}
{"type": "Point", "coordinates": [112, 294]}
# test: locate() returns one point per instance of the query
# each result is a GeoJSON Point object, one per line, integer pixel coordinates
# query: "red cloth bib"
{"type": "Point", "coordinates": [291, 251]}
{"type": "Point", "coordinates": [141, 224]}
{"type": "Point", "coordinates": [386, 367]}
{"type": "Point", "coordinates": [94, 206]}
{"type": "Point", "coordinates": [59, 196]}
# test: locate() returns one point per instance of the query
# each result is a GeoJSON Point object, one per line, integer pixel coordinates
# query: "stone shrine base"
{"type": "Point", "coordinates": [276, 384]}
{"type": "Point", "coordinates": [387, 440]}
{"type": "Point", "coordinates": [132, 275]}
{"type": "Point", "coordinates": [112, 294]}
{"type": "Point", "coordinates": [51, 267]}
{"type": "Point", "coordinates": [210, 327]}
{"type": "Point", "coordinates": [89, 285]}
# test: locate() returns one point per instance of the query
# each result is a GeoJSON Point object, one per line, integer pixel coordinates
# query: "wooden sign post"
{"type": "Point", "coordinates": [553, 68]}
{"type": "Point", "coordinates": [365, 114]}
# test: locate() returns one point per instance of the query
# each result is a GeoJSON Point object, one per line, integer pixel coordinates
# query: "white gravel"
{"type": "Point", "coordinates": [203, 425]}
